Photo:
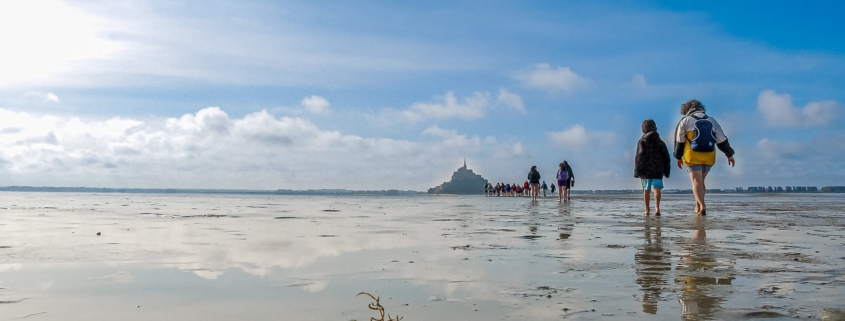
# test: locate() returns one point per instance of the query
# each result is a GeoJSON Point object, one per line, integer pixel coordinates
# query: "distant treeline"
{"type": "Point", "coordinates": [393, 192]}
{"type": "Point", "coordinates": [779, 189]}
{"type": "Point", "coordinates": [753, 189]}
{"type": "Point", "coordinates": [805, 189]}
{"type": "Point", "coordinates": [201, 191]}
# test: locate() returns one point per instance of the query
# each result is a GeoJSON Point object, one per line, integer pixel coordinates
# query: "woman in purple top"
{"type": "Point", "coordinates": [565, 180]}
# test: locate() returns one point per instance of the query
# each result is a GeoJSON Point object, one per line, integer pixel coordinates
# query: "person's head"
{"type": "Point", "coordinates": [560, 165]}
{"type": "Point", "coordinates": [691, 105]}
{"type": "Point", "coordinates": [649, 126]}
{"type": "Point", "coordinates": [533, 168]}
{"type": "Point", "coordinates": [565, 163]}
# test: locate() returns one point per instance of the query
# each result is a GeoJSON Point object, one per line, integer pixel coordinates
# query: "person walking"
{"type": "Point", "coordinates": [651, 164]}
{"type": "Point", "coordinates": [545, 188]}
{"type": "Point", "coordinates": [534, 182]}
{"type": "Point", "coordinates": [565, 180]}
{"type": "Point", "coordinates": [696, 139]}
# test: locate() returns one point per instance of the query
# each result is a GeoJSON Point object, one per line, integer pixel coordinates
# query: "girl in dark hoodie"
{"type": "Point", "coordinates": [651, 164]}
{"type": "Point", "coordinates": [534, 182]}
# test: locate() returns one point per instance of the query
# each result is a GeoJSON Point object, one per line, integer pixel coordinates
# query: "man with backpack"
{"type": "Point", "coordinates": [696, 140]}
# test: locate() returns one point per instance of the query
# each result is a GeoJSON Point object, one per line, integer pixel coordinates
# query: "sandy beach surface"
{"type": "Point", "coordinates": [266, 257]}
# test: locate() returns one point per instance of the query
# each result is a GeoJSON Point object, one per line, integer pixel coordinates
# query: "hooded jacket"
{"type": "Point", "coordinates": [652, 159]}
{"type": "Point", "coordinates": [534, 177]}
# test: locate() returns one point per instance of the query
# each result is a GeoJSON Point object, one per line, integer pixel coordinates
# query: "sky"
{"type": "Point", "coordinates": [372, 95]}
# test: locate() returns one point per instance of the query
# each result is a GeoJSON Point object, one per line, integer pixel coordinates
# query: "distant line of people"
{"type": "Point", "coordinates": [696, 139]}
{"type": "Point", "coordinates": [533, 185]}
{"type": "Point", "coordinates": [503, 189]}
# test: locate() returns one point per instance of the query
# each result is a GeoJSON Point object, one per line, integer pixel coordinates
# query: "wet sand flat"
{"type": "Point", "coordinates": [264, 257]}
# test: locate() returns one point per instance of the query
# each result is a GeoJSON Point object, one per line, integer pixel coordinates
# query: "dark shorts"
{"type": "Point", "coordinates": [564, 183]}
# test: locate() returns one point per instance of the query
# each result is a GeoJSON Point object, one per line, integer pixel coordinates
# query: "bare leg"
{"type": "Point", "coordinates": [647, 200]}
{"type": "Point", "coordinates": [560, 195]}
{"type": "Point", "coordinates": [703, 209]}
{"type": "Point", "coordinates": [657, 194]}
{"type": "Point", "coordinates": [697, 178]}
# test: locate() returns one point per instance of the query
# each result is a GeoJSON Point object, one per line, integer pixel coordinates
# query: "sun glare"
{"type": "Point", "coordinates": [42, 38]}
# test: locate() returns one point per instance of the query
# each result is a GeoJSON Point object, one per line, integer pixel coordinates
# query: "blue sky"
{"type": "Point", "coordinates": [384, 95]}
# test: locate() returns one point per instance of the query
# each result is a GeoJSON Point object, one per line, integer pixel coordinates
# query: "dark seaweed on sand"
{"type": "Point", "coordinates": [377, 306]}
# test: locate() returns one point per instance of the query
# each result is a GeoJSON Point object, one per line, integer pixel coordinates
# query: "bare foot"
{"type": "Point", "coordinates": [646, 213]}
{"type": "Point", "coordinates": [657, 213]}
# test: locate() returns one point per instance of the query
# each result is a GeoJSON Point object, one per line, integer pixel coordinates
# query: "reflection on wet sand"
{"type": "Point", "coordinates": [428, 258]}
{"type": "Point", "coordinates": [703, 277]}
{"type": "Point", "coordinates": [653, 265]}
{"type": "Point", "coordinates": [565, 225]}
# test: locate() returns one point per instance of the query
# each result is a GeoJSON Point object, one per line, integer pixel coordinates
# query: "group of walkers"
{"type": "Point", "coordinates": [565, 181]}
{"type": "Point", "coordinates": [696, 139]}
{"type": "Point", "coordinates": [533, 186]}
{"type": "Point", "coordinates": [502, 189]}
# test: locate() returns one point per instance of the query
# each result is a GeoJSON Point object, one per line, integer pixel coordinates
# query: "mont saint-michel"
{"type": "Point", "coordinates": [463, 181]}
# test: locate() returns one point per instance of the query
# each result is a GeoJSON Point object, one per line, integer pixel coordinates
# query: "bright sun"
{"type": "Point", "coordinates": [42, 38]}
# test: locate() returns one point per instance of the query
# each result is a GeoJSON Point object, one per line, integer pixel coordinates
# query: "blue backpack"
{"type": "Point", "coordinates": [704, 140]}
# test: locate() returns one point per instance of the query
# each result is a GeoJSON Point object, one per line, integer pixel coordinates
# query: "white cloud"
{"type": "Point", "coordinates": [450, 139]}
{"type": "Point", "coordinates": [507, 151]}
{"type": "Point", "coordinates": [42, 97]}
{"type": "Point", "coordinates": [511, 100]}
{"type": "Point", "coordinates": [776, 150]}
{"type": "Point", "coordinates": [449, 106]}
{"type": "Point", "coordinates": [639, 81]}
{"type": "Point", "coordinates": [787, 162]}
{"type": "Point", "coordinates": [436, 131]}
{"type": "Point", "coordinates": [316, 104]}
{"type": "Point", "coordinates": [543, 76]}
{"type": "Point", "coordinates": [210, 149]}
{"type": "Point", "coordinates": [51, 97]}
{"type": "Point", "coordinates": [577, 137]}
{"type": "Point", "coordinates": [778, 110]}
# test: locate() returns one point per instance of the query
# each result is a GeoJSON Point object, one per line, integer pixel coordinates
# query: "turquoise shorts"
{"type": "Point", "coordinates": [652, 183]}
